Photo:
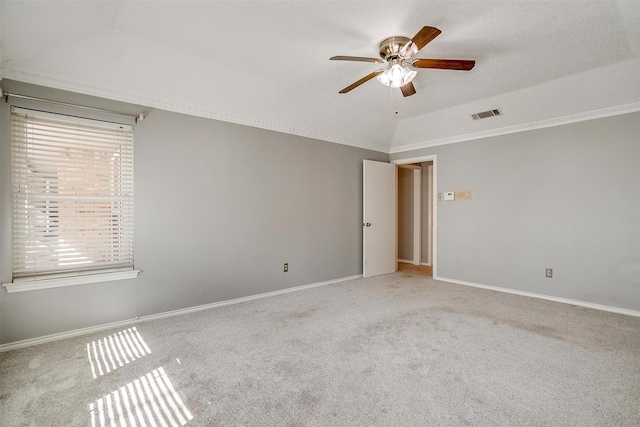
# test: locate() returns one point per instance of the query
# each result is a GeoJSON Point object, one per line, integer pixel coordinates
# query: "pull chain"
{"type": "Point", "coordinates": [394, 94]}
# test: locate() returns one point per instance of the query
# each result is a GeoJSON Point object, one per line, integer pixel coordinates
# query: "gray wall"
{"type": "Point", "coordinates": [405, 214]}
{"type": "Point", "coordinates": [566, 197]}
{"type": "Point", "coordinates": [219, 208]}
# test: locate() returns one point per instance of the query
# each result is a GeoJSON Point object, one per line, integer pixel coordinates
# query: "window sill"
{"type": "Point", "coordinates": [24, 285]}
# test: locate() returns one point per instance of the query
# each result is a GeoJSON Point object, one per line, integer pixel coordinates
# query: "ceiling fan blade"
{"type": "Point", "coordinates": [408, 89]}
{"type": "Point", "coordinates": [444, 64]}
{"type": "Point", "coordinates": [356, 58]}
{"type": "Point", "coordinates": [420, 40]}
{"type": "Point", "coordinates": [362, 80]}
{"type": "Point", "coordinates": [424, 36]}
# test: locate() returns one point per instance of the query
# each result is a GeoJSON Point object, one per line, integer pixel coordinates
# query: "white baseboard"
{"type": "Point", "coordinates": [84, 331]}
{"type": "Point", "coordinates": [246, 299]}
{"type": "Point", "coordinates": [546, 297]}
{"type": "Point", "coordinates": [410, 261]}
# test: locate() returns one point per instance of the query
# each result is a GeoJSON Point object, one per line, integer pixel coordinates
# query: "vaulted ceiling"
{"type": "Point", "coordinates": [266, 63]}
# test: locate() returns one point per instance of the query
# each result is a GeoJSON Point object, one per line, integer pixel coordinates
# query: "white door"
{"type": "Point", "coordinates": [379, 218]}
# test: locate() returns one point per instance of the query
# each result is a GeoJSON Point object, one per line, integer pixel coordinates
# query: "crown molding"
{"type": "Point", "coordinates": [40, 80]}
{"type": "Point", "coordinates": [37, 79]}
{"type": "Point", "coordinates": [558, 121]}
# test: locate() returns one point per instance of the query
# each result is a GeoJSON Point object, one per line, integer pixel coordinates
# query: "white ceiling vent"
{"type": "Point", "coordinates": [486, 114]}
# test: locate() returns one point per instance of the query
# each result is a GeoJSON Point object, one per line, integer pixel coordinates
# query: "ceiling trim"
{"type": "Point", "coordinates": [558, 121]}
{"type": "Point", "coordinates": [177, 108]}
{"type": "Point", "coordinates": [183, 109]}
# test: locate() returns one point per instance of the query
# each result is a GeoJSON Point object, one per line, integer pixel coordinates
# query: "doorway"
{"type": "Point", "coordinates": [417, 213]}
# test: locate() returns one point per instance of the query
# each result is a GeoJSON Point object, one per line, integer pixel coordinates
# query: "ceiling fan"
{"type": "Point", "coordinates": [397, 51]}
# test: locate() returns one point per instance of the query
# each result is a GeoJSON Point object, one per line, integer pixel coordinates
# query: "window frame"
{"type": "Point", "coordinates": [53, 279]}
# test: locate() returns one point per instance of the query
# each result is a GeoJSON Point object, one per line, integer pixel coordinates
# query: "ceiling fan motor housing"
{"type": "Point", "coordinates": [391, 46]}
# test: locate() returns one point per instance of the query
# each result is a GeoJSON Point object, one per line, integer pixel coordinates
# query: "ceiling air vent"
{"type": "Point", "coordinates": [485, 114]}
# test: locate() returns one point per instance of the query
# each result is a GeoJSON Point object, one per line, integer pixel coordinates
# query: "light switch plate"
{"type": "Point", "coordinates": [449, 195]}
{"type": "Point", "coordinates": [463, 195]}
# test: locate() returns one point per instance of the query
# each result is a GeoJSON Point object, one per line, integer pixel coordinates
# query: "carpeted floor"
{"type": "Point", "coordinates": [395, 350]}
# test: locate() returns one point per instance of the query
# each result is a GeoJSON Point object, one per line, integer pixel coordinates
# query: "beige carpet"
{"type": "Point", "coordinates": [396, 350]}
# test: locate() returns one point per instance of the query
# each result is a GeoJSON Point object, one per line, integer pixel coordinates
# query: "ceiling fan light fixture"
{"type": "Point", "coordinates": [396, 75]}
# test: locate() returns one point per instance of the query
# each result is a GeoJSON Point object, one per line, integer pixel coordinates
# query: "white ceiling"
{"type": "Point", "coordinates": [266, 63]}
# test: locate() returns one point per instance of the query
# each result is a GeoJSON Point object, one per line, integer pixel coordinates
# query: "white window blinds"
{"type": "Point", "coordinates": [72, 187]}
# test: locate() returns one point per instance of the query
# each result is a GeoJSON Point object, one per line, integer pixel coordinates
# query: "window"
{"type": "Point", "coordinates": [72, 197]}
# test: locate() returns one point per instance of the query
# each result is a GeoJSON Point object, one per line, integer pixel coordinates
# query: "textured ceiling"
{"type": "Point", "coordinates": [265, 63]}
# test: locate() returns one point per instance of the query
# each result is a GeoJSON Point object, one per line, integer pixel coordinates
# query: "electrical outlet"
{"type": "Point", "coordinates": [548, 272]}
{"type": "Point", "coordinates": [286, 267]}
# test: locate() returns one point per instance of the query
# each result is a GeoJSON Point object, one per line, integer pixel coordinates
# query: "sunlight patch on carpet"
{"type": "Point", "coordinates": [115, 351]}
{"type": "Point", "coordinates": [151, 400]}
